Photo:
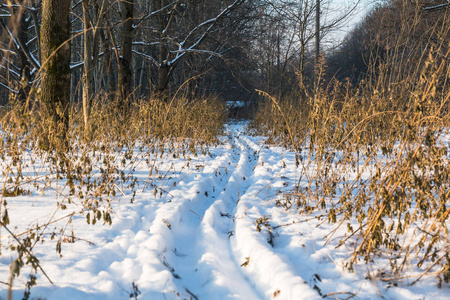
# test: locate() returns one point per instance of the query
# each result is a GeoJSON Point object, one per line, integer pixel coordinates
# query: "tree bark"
{"type": "Point", "coordinates": [163, 69]}
{"type": "Point", "coordinates": [111, 75]}
{"type": "Point", "coordinates": [125, 60]}
{"type": "Point", "coordinates": [107, 44]}
{"type": "Point", "coordinates": [25, 68]}
{"type": "Point", "coordinates": [317, 35]}
{"type": "Point", "coordinates": [55, 83]}
{"type": "Point", "coordinates": [88, 80]}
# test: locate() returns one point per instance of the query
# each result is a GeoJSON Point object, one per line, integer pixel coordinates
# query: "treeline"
{"type": "Point", "coordinates": [133, 49]}
{"type": "Point", "coordinates": [397, 33]}
{"type": "Point", "coordinates": [127, 50]}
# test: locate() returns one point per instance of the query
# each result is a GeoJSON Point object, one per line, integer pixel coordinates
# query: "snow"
{"type": "Point", "coordinates": [197, 237]}
{"type": "Point", "coordinates": [236, 104]}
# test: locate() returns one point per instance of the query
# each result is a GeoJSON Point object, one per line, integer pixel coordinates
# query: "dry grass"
{"type": "Point", "coordinates": [92, 168]}
{"type": "Point", "coordinates": [376, 155]}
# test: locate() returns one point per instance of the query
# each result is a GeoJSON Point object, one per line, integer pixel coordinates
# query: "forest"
{"type": "Point", "coordinates": [232, 149]}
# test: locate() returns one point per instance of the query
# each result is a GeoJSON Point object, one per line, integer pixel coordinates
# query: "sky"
{"type": "Point", "coordinates": [340, 6]}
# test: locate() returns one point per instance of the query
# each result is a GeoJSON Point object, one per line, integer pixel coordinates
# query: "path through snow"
{"type": "Point", "coordinates": [200, 240]}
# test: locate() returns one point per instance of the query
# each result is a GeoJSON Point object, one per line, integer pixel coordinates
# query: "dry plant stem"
{"type": "Point", "coordinates": [97, 169]}
{"type": "Point", "coordinates": [374, 279]}
{"type": "Point", "coordinates": [351, 295]}
{"type": "Point", "coordinates": [374, 221]}
{"type": "Point", "coordinates": [179, 180]}
{"type": "Point", "coordinates": [190, 293]}
{"type": "Point", "coordinates": [394, 122]}
{"type": "Point", "coordinates": [28, 252]}
{"type": "Point", "coordinates": [389, 279]}
{"type": "Point", "coordinates": [348, 189]}
{"type": "Point", "coordinates": [49, 221]}
{"type": "Point", "coordinates": [428, 269]}
{"type": "Point", "coordinates": [1, 206]}
{"type": "Point", "coordinates": [52, 222]}
{"type": "Point", "coordinates": [371, 223]}
{"type": "Point", "coordinates": [347, 238]}
{"type": "Point", "coordinates": [12, 270]}
{"type": "Point", "coordinates": [149, 175]}
{"type": "Point", "coordinates": [299, 221]}
{"type": "Point", "coordinates": [282, 114]}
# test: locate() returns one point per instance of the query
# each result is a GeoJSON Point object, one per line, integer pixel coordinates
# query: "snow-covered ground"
{"type": "Point", "coordinates": [214, 232]}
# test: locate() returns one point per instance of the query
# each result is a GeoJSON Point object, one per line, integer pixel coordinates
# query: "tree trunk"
{"type": "Point", "coordinates": [163, 80]}
{"type": "Point", "coordinates": [141, 79]}
{"type": "Point", "coordinates": [163, 69]}
{"type": "Point", "coordinates": [25, 68]}
{"type": "Point", "coordinates": [55, 83]}
{"type": "Point", "coordinates": [317, 35]}
{"type": "Point", "coordinates": [88, 80]}
{"type": "Point", "coordinates": [107, 54]}
{"type": "Point", "coordinates": [125, 60]}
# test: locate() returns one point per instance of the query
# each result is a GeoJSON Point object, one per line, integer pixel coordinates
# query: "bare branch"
{"type": "Point", "coordinates": [147, 57]}
{"type": "Point", "coordinates": [146, 17]}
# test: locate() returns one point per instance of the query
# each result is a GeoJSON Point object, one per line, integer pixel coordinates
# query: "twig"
{"type": "Point", "coordinates": [427, 270]}
{"type": "Point", "coordinates": [190, 293]}
{"type": "Point", "coordinates": [39, 227]}
{"type": "Point", "coordinates": [352, 295]}
{"type": "Point", "coordinates": [196, 214]}
{"type": "Point", "coordinates": [120, 190]}
{"type": "Point", "coordinates": [28, 252]}
{"type": "Point", "coordinates": [387, 279]}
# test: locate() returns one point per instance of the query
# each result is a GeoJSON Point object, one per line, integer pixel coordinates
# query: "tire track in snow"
{"type": "Point", "coordinates": [218, 263]}
{"type": "Point", "coordinates": [267, 270]}
{"type": "Point", "coordinates": [185, 249]}
{"type": "Point", "coordinates": [202, 261]}
{"type": "Point", "coordinates": [149, 245]}
{"type": "Point", "coordinates": [229, 259]}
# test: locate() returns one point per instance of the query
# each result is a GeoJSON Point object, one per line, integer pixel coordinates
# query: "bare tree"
{"type": "Point", "coordinates": [92, 35]}
{"type": "Point", "coordinates": [180, 32]}
{"type": "Point", "coordinates": [88, 80]}
{"type": "Point", "coordinates": [303, 32]}
{"type": "Point", "coordinates": [19, 48]}
{"type": "Point", "coordinates": [125, 74]}
{"type": "Point", "coordinates": [55, 82]}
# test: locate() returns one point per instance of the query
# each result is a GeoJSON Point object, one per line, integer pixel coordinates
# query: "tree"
{"type": "Point", "coordinates": [92, 34]}
{"type": "Point", "coordinates": [182, 29]}
{"type": "Point", "coordinates": [19, 47]}
{"type": "Point", "coordinates": [396, 36]}
{"type": "Point", "coordinates": [88, 81]}
{"type": "Point", "coordinates": [55, 82]}
{"type": "Point", "coordinates": [130, 48]}
{"type": "Point", "coordinates": [125, 74]}
{"type": "Point", "coordinates": [350, 61]}
{"type": "Point", "coordinates": [292, 37]}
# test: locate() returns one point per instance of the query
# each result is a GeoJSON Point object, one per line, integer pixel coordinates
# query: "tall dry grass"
{"type": "Point", "coordinates": [96, 166]}
{"type": "Point", "coordinates": [377, 155]}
